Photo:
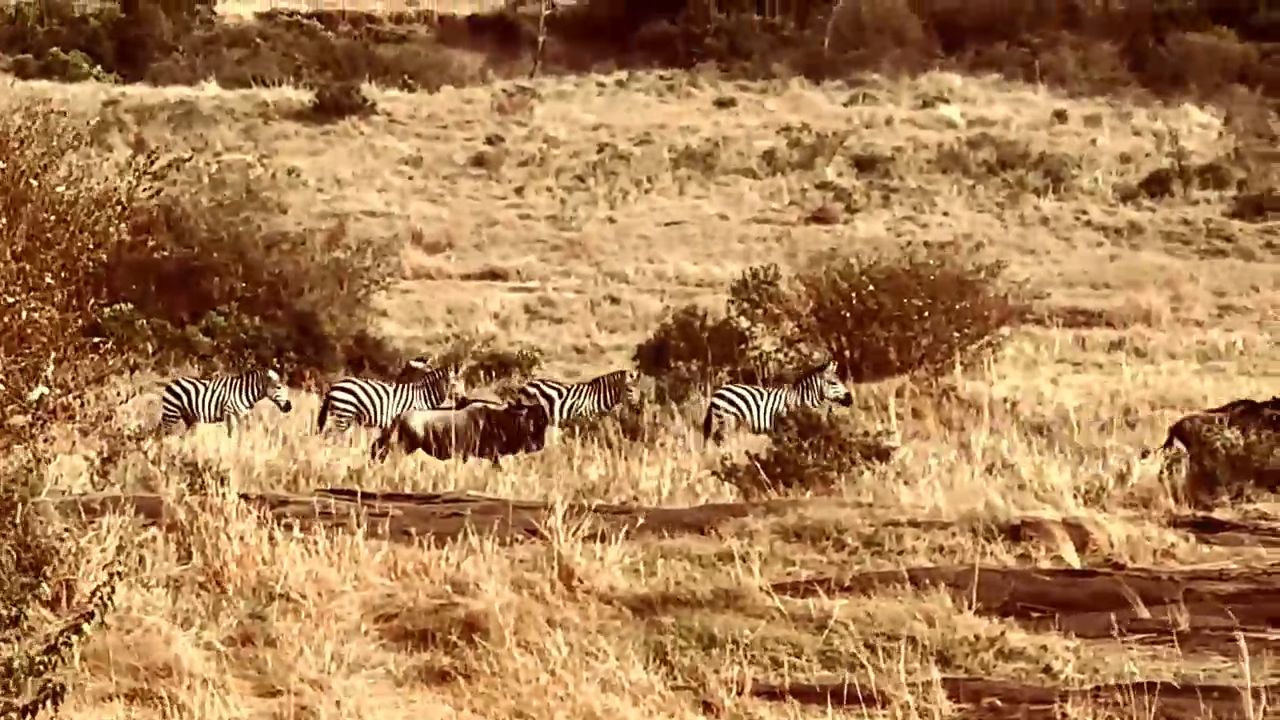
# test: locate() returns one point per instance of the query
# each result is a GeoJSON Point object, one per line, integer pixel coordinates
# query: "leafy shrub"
{"type": "Point", "coordinates": [628, 423]}
{"type": "Point", "coordinates": [339, 100]}
{"type": "Point", "coordinates": [876, 317]}
{"type": "Point", "coordinates": [204, 281]}
{"type": "Point", "coordinates": [74, 66]}
{"type": "Point", "coordinates": [63, 217]}
{"type": "Point", "coordinates": [1255, 206]}
{"type": "Point", "coordinates": [810, 450]}
{"type": "Point", "coordinates": [36, 559]}
{"type": "Point", "coordinates": [983, 156]}
{"type": "Point", "coordinates": [689, 351]}
{"type": "Point", "coordinates": [1227, 455]}
{"type": "Point", "coordinates": [102, 266]}
{"type": "Point", "coordinates": [1202, 46]}
{"type": "Point", "coordinates": [484, 365]}
{"type": "Point", "coordinates": [914, 313]}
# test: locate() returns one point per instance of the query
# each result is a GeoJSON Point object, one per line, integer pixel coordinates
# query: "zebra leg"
{"type": "Point", "coordinates": [232, 421]}
{"type": "Point", "coordinates": [712, 427]}
{"type": "Point", "coordinates": [381, 445]}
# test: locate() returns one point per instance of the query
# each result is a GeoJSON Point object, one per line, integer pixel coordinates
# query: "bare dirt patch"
{"type": "Point", "coordinates": [1204, 607]}
{"type": "Point", "coordinates": [988, 699]}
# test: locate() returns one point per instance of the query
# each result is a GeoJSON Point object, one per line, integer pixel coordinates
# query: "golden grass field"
{"type": "Point", "coordinates": [247, 8]}
{"type": "Point", "coordinates": [551, 238]}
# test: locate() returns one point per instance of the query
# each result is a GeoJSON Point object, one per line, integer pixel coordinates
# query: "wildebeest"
{"type": "Point", "coordinates": [470, 428]}
{"type": "Point", "coordinates": [1243, 412]}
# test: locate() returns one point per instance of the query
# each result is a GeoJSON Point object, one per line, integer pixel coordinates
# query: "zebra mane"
{"type": "Point", "coordinates": [813, 372]}
{"type": "Point", "coordinates": [426, 374]}
{"type": "Point", "coordinates": [612, 375]}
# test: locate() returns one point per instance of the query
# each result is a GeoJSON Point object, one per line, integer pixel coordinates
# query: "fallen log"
{"type": "Point", "coordinates": [990, 699]}
{"type": "Point", "coordinates": [1212, 530]}
{"type": "Point", "coordinates": [407, 517]}
{"type": "Point", "coordinates": [1205, 607]}
{"type": "Point", "coordinates": [402, 516]}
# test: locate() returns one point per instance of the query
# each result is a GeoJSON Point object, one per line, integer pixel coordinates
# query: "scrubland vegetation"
{"type": "Point", "coordinates": [1024, 283]}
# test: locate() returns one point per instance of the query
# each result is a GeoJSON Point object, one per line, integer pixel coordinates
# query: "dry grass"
{"type": "Point", "coordinates": [249, 8]}
{"type": "Point", "coordinates": [572, 223]}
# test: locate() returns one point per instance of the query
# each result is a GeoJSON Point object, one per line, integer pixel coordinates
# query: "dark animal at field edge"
{"type": "Point", "coordinates": [1244, 412]}
{"type": "Point", "coordinates": [470, 428]}
{"type": "Point", "coordinates": [760, 406]}
{"type": "Point", "coordinates": [223, 398]}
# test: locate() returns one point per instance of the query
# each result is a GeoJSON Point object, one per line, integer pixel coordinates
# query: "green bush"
{"type": "Point", "coordinates": [483, 365]}
{"type": "Point", "coordinates": [918, 311]}
{"type": "Point", "coordinates": [690, 352]}
{"type": "Point", "coordinates": [335, 101]}
{"type": "Point", "coordinates": [38, 561]}
{"type": "Point", "coordinates": [64, 217]}
{"type": "Point", "coordinates": [809, 450]}
{"type": "Point", "coordinates": [202, 280]}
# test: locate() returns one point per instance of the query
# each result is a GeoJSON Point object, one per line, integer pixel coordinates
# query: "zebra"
{"type": "Point", "coordinates": [223, 398]}
{"type": "Point", "coordinates": [376, 403]}
{"type": "Point", "coordinates": [760, 406]}
{"type": "Point", "coordinates": [566, 401]}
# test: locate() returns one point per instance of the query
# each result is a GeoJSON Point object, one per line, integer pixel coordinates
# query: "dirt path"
{"type": "Point", "coordinates": [1202, 610]}
{"type": "Point", "coordinates": [1199, 608]}
{"type": "Point", "coordinates": [439, 517]}
{"type": "Point", "coordinates": [986, 699]}
{"type": "Point", "coordinates": [445, 516]}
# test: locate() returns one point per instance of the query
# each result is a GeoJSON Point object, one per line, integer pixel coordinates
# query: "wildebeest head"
{"type": "Point", "coordinates": [525, 427]}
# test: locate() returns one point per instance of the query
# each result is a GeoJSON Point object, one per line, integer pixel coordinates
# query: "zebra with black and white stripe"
{"type": "Point", "coordinates": [376, 403]}
{"type": "Point", "coordinates": [566, 401]}
{"type": "Point", "coordinates": [760, 406]}
{"type": "Point", "coordinates": [223, 398]}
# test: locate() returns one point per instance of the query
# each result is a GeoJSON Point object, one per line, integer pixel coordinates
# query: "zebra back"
{"type": "Point", "coordinates": [211, 399]}
{"type": "Point", "coordinates": [613, 387]}
{"type": "Point", "coordinates": [564, 400]}
{"type": "Point", "coordinates": [436, 385]}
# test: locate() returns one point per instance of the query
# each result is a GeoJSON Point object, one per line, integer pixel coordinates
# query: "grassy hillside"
{"type": "Point", "coordinates": [573, 218]}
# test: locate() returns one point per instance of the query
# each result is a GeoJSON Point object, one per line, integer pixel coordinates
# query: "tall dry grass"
{"type": "Point", "coordinates": [223, 615]}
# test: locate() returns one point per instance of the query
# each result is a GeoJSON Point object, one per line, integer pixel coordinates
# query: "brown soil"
{"type": "Point", "coordinates": [991, 699]}
{"type": "Point", "coordinates": [404, 516]}
{"type": "Point", "coordinates": [438, 517]}
{"type": "Point", "coordinates": [1223, 531]}
{"type": "Point", "coordinates": [1198, 608]}
{"type": "Point", "coordinates": [1203, 608]}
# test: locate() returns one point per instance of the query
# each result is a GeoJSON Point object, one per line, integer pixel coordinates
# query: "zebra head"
{"type": "Point", "coordinates": [615, 387]}
{"type": "Point", "coordinates": [447, 382]}
{"type": "Point", "coordinates": [824, 380]}
{"type": "Point", "coordinates": [274, 389]}
{"type": "Point", "coordinates": [414, 368]}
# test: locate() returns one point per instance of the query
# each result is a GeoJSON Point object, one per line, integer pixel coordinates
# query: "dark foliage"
{"type": "Point", "coordinates": [1200, 48]}
{"type": "Point", "coordinates": [809, 450]}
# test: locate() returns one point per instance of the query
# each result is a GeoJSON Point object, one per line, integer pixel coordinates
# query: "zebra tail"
{"type": "Point", "coordinates": [324, 413]}
{"type": "Point", "coordinates": [706, 425]}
